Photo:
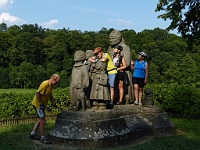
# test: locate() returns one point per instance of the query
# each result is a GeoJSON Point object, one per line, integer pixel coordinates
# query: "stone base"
{"type": "Point", "coordinates": [122, 125]}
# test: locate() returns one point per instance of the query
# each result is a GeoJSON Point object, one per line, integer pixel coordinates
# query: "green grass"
{"type": "Point", "coordinates": [18, 90]}
{"type": "Point", "coordinates": [16, 137]}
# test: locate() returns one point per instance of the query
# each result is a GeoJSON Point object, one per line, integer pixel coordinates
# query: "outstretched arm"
{"type": "Point", "coordinates": [53, 101]}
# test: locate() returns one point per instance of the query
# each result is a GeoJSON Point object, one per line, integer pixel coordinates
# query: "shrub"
{"type": "Point", "coordinates": [177, 99]}
{"type": "Point", "coordinates": [13, 105]}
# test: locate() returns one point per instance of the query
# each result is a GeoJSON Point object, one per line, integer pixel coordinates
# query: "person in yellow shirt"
{"type": "Point", "coordinates": [111, 70]}
{"type": "Point", "coordinates": [40, 101]}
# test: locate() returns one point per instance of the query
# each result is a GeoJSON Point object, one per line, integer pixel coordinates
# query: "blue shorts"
{"type": "Point", "coordinates": [111, 80]}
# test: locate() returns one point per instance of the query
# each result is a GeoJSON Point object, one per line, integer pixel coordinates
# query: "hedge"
{"type": "Point", "coordinates": [15, 105]}
{"type": "Point", "coordinates": [176, 99]}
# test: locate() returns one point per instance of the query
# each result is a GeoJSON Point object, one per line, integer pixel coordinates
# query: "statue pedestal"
{"type": "Point", "coordinates": [122, 125]}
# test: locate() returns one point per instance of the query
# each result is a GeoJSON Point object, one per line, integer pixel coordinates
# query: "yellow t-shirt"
{"type": "Point", "coordinates": [45, 90]}
{"type": "Point", "coordinates": [111, 69]}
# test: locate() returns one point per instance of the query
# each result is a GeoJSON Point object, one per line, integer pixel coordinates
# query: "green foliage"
{"type": "Point", "coordinates": [4, 78]}
{"type": "Point", "coordinates": [15, 104]}
{"type": "Point", "coordinates": [177, 99]}
{"type": "Point", "coordinates": [62, 100]}
{"type": "Point", "coordinates": [184, 16]}
{"type": "Point", "coordinates": [15, 137]}
{"type": "Point", "coordinates": [30, 54]}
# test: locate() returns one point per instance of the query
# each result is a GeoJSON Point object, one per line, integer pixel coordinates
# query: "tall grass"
{"type": "Point", "coordinates": [187, 138]}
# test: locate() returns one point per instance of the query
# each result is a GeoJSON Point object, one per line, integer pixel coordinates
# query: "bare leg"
{"type": "Point", "coordinates": [136, 91]}
{"type": "Point", "coordinates": [36, 126]}
{"type": "Point", "coordinates": [140, 94]}
{"type": "Point", "coordinates": [121, 90]}
{"type": "Point", "coordinates": [42, 124]}
{"type": "Point", "coordinates": [112, 93]}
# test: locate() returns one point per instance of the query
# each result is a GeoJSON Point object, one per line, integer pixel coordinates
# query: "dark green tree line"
{"type": "Point", "coordinates": [30, 54]}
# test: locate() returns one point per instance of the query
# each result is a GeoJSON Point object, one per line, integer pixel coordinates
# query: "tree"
{"type": "Point", "coordinates": [4, 45]}
{"type": "Point", "coordinates": [26, 74]}
{"type": "Point", "coordinates": [3, 27]}
{"type": "Point", "coordinates": [64, 79]}
{"type": "Point", "coordinates": [41, 75]}
{"type": "Point", "coordinates": [130, 38]}
{"type": "Point", "coordinates": [188, 68]}
{"type": "Point", "coordinates": [153, 75]}
{"type": "Point", "coordinates": [185, 16]}
{"type": "Point", "coordinates": [13, 75]}
{"type": "Point", "coordinates": [173, 73]}
{"type": "Point", "coordinates": [4, 78]}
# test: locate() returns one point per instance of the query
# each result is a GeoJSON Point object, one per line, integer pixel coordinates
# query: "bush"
{"type": "Point", "coordinates": [177, 99]}
{"type": "Point", "coordinates": [14, 105]}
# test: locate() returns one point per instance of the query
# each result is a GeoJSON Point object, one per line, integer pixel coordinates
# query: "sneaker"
{"type": "Point", "coordinates": [33, 137]}
{"type": "Point", "coordinates": [45, 141]}
{"type": "Point", "coordinates": [140, 104]}
{"type": "Point", "coordinates": [136, 102]}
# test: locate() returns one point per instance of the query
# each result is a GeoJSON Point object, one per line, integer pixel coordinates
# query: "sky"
{"type": "Point", "coordinates": [84, 15]}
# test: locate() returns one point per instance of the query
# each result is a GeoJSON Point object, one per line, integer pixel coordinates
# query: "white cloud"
{"type": "Point", "coordinates": [121, 22]}
{"type": "Point", "coordinates": [49, 24]}
{"type": "Point", "coordinates": [9, 19]}
{"type": "Point", "coordinates": [5, 4]}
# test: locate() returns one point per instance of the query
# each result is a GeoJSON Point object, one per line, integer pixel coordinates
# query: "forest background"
{"type": "Point", "coordinates": [30, 54]}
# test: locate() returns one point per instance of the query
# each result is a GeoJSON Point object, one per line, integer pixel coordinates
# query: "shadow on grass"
{"type": "Point", "coordinates": [15, 137]}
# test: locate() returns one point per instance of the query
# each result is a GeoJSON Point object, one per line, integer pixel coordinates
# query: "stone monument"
{"type": "Point", "coordinates": [79, 83]}
{"type": "Point", "coordinates": [104, 128]}
{"type": "Point", "coordinates": [121, 126]}
{"type": "Point", "coordinates": [99, 92]}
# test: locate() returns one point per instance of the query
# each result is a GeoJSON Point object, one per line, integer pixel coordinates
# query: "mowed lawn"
{"type": "Point", "coordinates": [17, 90]}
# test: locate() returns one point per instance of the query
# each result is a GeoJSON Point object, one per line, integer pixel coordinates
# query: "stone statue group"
{"type": "Point", "coordinates": [89, 88]}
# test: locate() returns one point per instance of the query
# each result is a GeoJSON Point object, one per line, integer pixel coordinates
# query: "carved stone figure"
{"type": "Point", "coordinates": [91, 72]}
{"type": "Point", "coordinates": [148, 99]}
{"type": "Point", "coordinates": [89, 53]}
{"type": "Point", "coordinates": [79, 82]}
{"type": "Point", "coordinates": [115, 38]}
{"type": "Point", "coordinates": [99, 91]}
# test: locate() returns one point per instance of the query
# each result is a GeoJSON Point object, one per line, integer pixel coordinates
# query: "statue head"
{"type": "Point", "coordinates": [115, 37]}
{"type": "Point", "coordinates": [89, 53]}
{"type": "Point", "coordinates": [79, 55]}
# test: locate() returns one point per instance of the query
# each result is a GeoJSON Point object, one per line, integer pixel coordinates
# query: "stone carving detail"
{"type": "Point", "coordinates": [79, 82]}
{"type": "Point", "coordinates": [99, 91]}
{"type": "Point", "coordinates": [91, 71]}
{"type": "Point", "coordinates": [148, 99]}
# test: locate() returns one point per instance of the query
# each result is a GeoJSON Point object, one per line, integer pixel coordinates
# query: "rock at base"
{"type": "Point", "coordinates": [122, 125]}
